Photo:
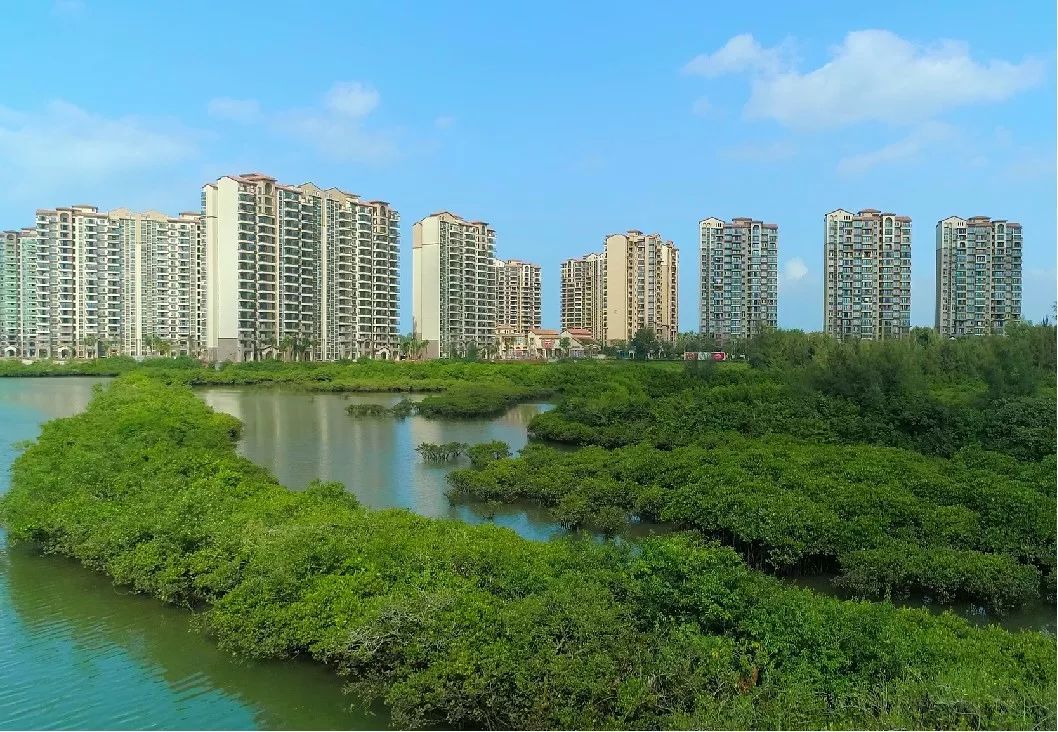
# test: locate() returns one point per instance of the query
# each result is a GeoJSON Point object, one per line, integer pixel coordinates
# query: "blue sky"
{"type": "Point", "coordinates": [556, 122]}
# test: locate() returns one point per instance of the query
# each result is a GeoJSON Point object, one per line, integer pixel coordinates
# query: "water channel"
{"type": "Point", "coordinates": [81, 653]}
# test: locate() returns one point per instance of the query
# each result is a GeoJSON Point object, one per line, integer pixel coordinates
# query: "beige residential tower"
{"type": "Point", "coordinates": [298, 271]}
{"type": "Point", "coordinates": [94, 283]}
{"type": "Point", "coordinates": [583, 294]}
{"type": "Point", "coordinates": [642, 286]}
{"type": "Point", "coordinates": [454, 291]}
{"type": "Point", "coordinates": [517, 295]}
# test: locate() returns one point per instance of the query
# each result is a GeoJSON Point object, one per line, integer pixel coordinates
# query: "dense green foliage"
{"type": "Point", "coordinates": [443, 453]}
{"type": "Point", "coordinates": [360, 376]}
{"type": "Point", "coordinates": [369, 410]}
{"type": "Point", "coordinates": [457, 402]}
{"type": "Point", "coordinates": [932, 396]}
{"type": "Point", "coordinates": [955, 528]}
{"type": "Point", "coordinates": [471, 626]}
{"type": "Point", "coordinates": [481, 400]}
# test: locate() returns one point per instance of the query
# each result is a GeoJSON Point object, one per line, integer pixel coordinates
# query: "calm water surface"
{"type": "Point", "coordinates": [300, 436]}
{"type": "Point", "coordinates": [77, 652]}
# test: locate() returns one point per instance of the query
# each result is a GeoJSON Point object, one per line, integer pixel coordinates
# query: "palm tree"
{"type": "Point", "coordinates": [91, 341]}
{"type": "Point", "coordinates": [411, 346]}
{"type": "Point", "coordinates": [287, 344]}
{"type": "Point", "coordinates": [267, 341]}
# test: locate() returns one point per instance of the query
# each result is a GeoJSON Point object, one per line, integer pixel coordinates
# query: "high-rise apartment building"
{"type": "Point", "coordinates": [583, 294]}
{"type": "Point", "coordinates": [91, 282]}
{"type": "Point", "coordinates": [454, 293]}
{"type": "Point", "coordinates": [18, 292]}
{"type": "Point", "coordinates": [162, 302]}
{"type": "Point", "coordinates": [978, 275]}
{"type": "Point", "coordinates": [738, 277]}
{"type": "Point", "coordinates": [642, 286]}
{"type": "Point", "coordinates": [298, 271]}
{"type": "Point", "coordinates": [867, 286]}
{"type": "Point", "coordinates": [10, 291]}
{"type": "Point", "coordinates": [517, 295]}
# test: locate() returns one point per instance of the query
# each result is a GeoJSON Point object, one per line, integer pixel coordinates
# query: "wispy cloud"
{"type": "Point", "coordinates": [444, 121]}
{"type": "Point", "coordinates": [795, 270]}
{"type": "Point", "coordinates": [64, 138]}
{"type": "Point", "coordinates": [352, 99]}
{"type": "Point", "coordinates": [742, 53]}
{"type": "Point", "coordinates": [873, 75]}
{"type": "Point", "coordinates": [338, 126]}
{"type": "Point", "coordinates": [61, 152]}
{"type": "Point", "coordinates": [907, 148]}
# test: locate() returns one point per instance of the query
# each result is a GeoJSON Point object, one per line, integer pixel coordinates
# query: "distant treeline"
{"type": "Point", "coordinates": [926, 394]}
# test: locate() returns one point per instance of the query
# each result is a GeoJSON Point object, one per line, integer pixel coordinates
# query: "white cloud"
{"type": "Point", "coordinates": [741, 53]}
{"type": "Point", "coordinates": [702, 107]}
{"type": "Point", "coordinates": [64, 139]}
{"type": "Point", "coordinates": [352, 99]}
{"type": "Point", "coordinates": [238, 110]}
{"type": "Point", "coordinates": [903, 150]}
{"type": "Point", "coordinates": [795, 270]}
{"type": "Point", "coordinates": [874, 75]}
{"type": "Point", "coordinates": [337, 127]}
{"type": "Point", "coordinates": [444, 122]}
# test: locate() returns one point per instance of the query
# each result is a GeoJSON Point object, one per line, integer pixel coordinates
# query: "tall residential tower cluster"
{"type": "Point", "coordinates": [633, 284]}
{"type": "Point", "coordinates": [82, 282]}
{"type": "Point", "coordinates": [298, 270]}
{"type": "Point", "coordinates": [264, 269]}
{"type": "Point", "coordinates": [271, 270]}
